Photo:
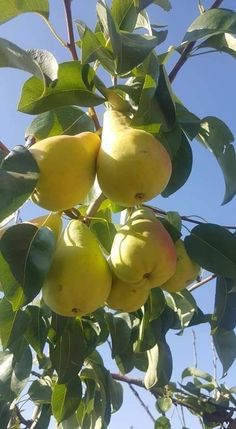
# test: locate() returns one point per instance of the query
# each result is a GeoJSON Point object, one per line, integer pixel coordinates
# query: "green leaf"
{"type": "Point", "coordinates": [164, 404]}
{"type": "Point", "coordinates": [21, 371]}
{"type": "Point", "coordinates": [164, 4]}
{"type": "Point", "coordinates": [185, 306]}
{"type": "Point", "coordinates": [5, 414]}
{"type": "Point", "coordinates": [6, 368]}
{"type": "Point", "coordinates": [196, 372]}
{"type": "Point", "coordinates": [14, 8]}
{"type": "Point", "coordinates": [187, 120]}
{"type": "Point", "coordinates": [42, 64]}
{"type": "Point", "coordinates": [217, 137]}
{"type": "Point", "coordinates": [151, 377]}
{"type": "Point", "coordinates": [44, 417]}
{"type": "Point", "coordinates": [174, 219]}
{"type": "Point", "coordinates": [69, 353]}
{"type": "Point", "coordinates": [162, 423]}
{"type": "Point", "coordinates": [104, 380]}
{"type": "Point", "coordinates": [9, 285]}
{"type": "Point", "coordinates": [213, 248]}
{"type": "Point", "coordinates": [221, 42]}
{"type": "Point", "coordinates": [159, 365]}
{"type": "Point", "coordinates": [18, 176]}
{"type": "Point", "coordinates": [105, 233]}
{"type": "Point", "coordinates": [92, 48]}
{"type": "Point", "coordinates": [211, 22]}
{"type": "Point", "coordinates": [109, 27]}
{"type": "Point", "coordinates": [181, 167]}
{"type": "Point", "coordinates": [156, 303]}
{"type": "Point", "coordinates": [116, 392]}
{"type": "Point", "coordinates": [225, 344]}
{"type": "Point", "coordinates": [164, 98]}
{"type": "Point", "coordinates": [40, 391]}
{"type": "Point", "coordinates": [225, 304]}
{"type": "Point", "coordinates": [120, 331]}
{"type": "Point", "coordinates": [73, 91]}
{"type": "Point", "coordinates": [66, 399]}
{"type": "Point", "coordinates": [37, 331]}
{"type": "Point", "coordinates": [68, 120]}
{"type": "Point", "coordinates": [12, 324]}
{"type": "Point", "coordinates": [124, 14]}
{"type": "Point", "coordinates": [28, 250]}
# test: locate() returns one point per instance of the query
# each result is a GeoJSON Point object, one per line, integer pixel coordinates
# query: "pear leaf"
{"type": "Point", "coordinates": [14, 8]}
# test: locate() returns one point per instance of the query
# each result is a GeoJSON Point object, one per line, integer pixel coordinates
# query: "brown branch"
{"type": "Point", "coordinates": [187, 50]}
{"type": "Point", "coordinates": [136, 394]}
{"type": "Point", "coordinates": [202, 282]}
{"type": "Point", "coordinates": [70, 32]}
{"type": "Point", "coordinates": [4, 149]}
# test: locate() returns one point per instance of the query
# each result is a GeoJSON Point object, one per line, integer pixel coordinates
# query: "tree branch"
{"type": "Point", "coordinates": [4, 149]}
{"type": "Point", "coordinates": [202, 282]}
{"type": "Point", "coordinates": [187, 50]}
{"type": "Point", "coordinates": [136, 394]}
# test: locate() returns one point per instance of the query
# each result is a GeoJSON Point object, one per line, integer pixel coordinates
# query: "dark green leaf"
{"type": "Point", "coordinates": [69, 353]}
{"type": "Point", "coordinates": [41, 64]}
{"type": "Point", "coordinates": [225, 304]}
{"type": "Point", "coordinates": [221, 42]}
{"type": "Point", "coordinates": [9, 285]}
{"type": "Point", "coordinates": [104, 380]}
{"type": "Point", "coordinates": [69, 120]}
{"type": "Point", "coordinates": [109, 27]}
{"type": "Point", "coordinates": [211, 22]}
{"type": "Point", "coordinates": [217, 137]}
{"type": "Point", "coordinates": [156, 303]}
{"type": "Point", "coordinates": [225, 344]}
{"type": "Point", "coordinates": [174, 219]}
{"type": "Point", "coordinates": [189, 122]}
{"type": "Point", "coordinates": [14, 8]}
{"type": "Point", "coordinates": [28, 251]}
{"type": "Point", "coordinates": [164, 99]}
{"type": "Point", "coordinates": [36, 333]}
{"type": "Point", "coordinates": [18, 177]}
{"type": "Point", "coordinates": [105, 233]}
{"type": "Point", "coordinates": [5, 414]}
{"type": "Point", "coordinates": [66, 399]}
{"type": "Point", "coordinates": [12, 324]}
{"type": "Point", "coordinates": [116, 392]}
{"type": "Point", "coordinates": [213, 248]}
{"type": "Point", "coordinates": [44, 417]}
{"type": "Point", "coordinates": [40, 391]}
{"type": "Point", "coordinates": [125, 14]}
{"type": "Point", "coordinates": [6, 368]}
{"type": "Point", "coordinates": [164, 4]}
{"type": "Point", "coordinates": [181, 167]}
{"type": "Point", "coordinates": [184, 305]}
{"type": "Point", "coordinates": [171, 140]}
{"type": "Point", "coordinates": [120, 331]}
{"type": "Point", "coordinates": [21, 371]}
{"type": "Point", "coordinates": [162, 423]}
{"type": "Point", "coordinates": [73, 91]}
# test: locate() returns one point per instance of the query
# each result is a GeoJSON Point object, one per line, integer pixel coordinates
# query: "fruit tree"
{"type": "Point", "coordinates": [104, 274]}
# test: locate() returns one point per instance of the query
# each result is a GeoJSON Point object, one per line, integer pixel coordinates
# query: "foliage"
{"type": "Point", "coordinates": [71, 382]}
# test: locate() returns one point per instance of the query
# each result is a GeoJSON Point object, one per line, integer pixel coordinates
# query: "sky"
{"type": "Point", "coordinates": [206, 85]}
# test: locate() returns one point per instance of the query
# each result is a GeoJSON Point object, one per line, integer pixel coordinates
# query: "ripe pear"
{"type": "Point", "coordinates": [67, 167]}
{"type": "Point", "coordinates": [143, 250]}
{"type": "Point", "coordinates": [186, 270]}
{"type": "Point", "coordinates": [79, 279]}
{"type": "Point", "coordinates": [132, 165]}
{"type": "Point", "coordinates": [127, 296]}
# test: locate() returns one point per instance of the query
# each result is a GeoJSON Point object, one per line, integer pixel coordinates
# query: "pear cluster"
{"type": "Point", "coordinates": [131, 167]}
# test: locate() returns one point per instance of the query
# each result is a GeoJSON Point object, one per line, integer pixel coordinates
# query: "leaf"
{"type": "Point", "coordinates": [14, 8]}
{"type": "Point", "coordinates": [70, 351]}
{"type": "Point", "coordinates": [151, 377]}
{"type": "Point", "coordinates": [68, 120]}
{"type": "Point", "coordinates": [40, 391]}
{"type": "Point", "coordinates": [185, 306]}
{"type": "Point", "coordinates": [213, 248]}
{"type": "Point", "coordinates": [41, 63]}
{"type": "Point", "coordinates": [162, 423]}
{"type": "Point", "coordinates": [109, 27]}
{"type": "Point", "coordinates": [5, 414]}
{"type": "Point", "coordinates": [44, 417]}
{"type": "Point", "coordinates": [211, 22]}
{"type": "Point", "coordinates": [159, 365]}
{"type": "Point", "coordinates": [35, 99]}
{"type": "Point", "coordinates": [225, 344]}
{"type": "Point", "coordinates": [9, 285]}
{"type": "Point", "coordinates": [28, 250]}
{"type": "Point", "coordinates": [12, 324]}
{"type": "Point", "coordinates": [221, 42]}
{"type": "Point", "coordinates": [225, 304]}
{"type": "Point", "coordinates": [181, 167]}
{"type": "Point", "coordinates": [66, 399]}
{"type": "Point", "coordinates": [196, 372]}
{"type": "Point", "coordinates": [125, 14]}
{"type": "Point", "coordinates": [120, 331]}
{"type": "Point", "coordinates": [21, 371]}
{"type": "Point", "coordinates": [164, 404]}
{"type": "Point", "coordinates": [37, 331]}
{"type": "Point", "coordinates": [217, 137]}
{"type": "Point", "coordinates": [156, 303]}
{"type": "Point", "coordinates": [174, 219]}
{"type": "Point", "coordinates": [164, 4]}
{"type": "Point", "coordinates": [105, 233]}
{"type": "Point", "coordinates": [188, 121]}
{"type": "Point", "coordinates": [18, 176]}
{"type": "Point", "coordinates": [6, 368]}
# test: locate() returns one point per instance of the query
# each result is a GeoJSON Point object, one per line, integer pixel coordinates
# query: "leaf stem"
{"type": "Point", "coordinates": [53, 31]}
{"type": "Point", "coordinates": [187, 50]}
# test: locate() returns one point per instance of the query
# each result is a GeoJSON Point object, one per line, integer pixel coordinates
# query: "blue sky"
{"type": "Point", "coordinates": [206, 85]}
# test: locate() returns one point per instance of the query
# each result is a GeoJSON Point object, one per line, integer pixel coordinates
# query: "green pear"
{"type": "Point", "coordinates": [132, 165]}
{"type": "Point", "coordinates": [143, 251]}
{"type": "Point", "coordinates": [186, 270]}
{"type": "Point", "coordinates": [79, 279]}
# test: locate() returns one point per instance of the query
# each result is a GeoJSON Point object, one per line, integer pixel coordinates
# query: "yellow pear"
{"type": "Point", "coordinates": [186, 270]}
{"type": "Point", "coordinates": [132, 166]}
{"type": "Point", "coordinates": [143, 250]}
{"type": "Point", "coordinates": [67, 167]}
{"type": "Point", "coordinates": [51, 220]}
{"type": "Point", "coordinates": [127, 296]}
{"type": "Point", "coordinates": [79, 279]}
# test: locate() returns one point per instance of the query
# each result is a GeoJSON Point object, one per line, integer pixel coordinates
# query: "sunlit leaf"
{"type": "Point", "coordinates": [66, 399]}
{"type": "Point", "coordinates": [14, 8]}
{"type": "Point", "coordinates": [124, 14]}
{"type": "Point", "coordinates": [12, 324]}
{"type": "Point", "coordinates": [221, 42]}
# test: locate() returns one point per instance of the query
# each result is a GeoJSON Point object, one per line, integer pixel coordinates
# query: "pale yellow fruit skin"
{"type": "Point", "coordinates": [186, 270]}
{"type": "Point", "coordinates": [132, 166]}
{"type": "Point", "coordinates": [79, 279]}
{"type": "Point", "coordinates": [127, 296]}
{"type": "Point", "coordinates": [143, 250]}
{"type": "Point", "coordinates": [67, 169]}
{"type": "Point", "coordinates": [51, 220]}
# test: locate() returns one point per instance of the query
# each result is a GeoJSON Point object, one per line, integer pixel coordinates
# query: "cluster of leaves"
{"type": "Point", "coordinates": [72, 382]}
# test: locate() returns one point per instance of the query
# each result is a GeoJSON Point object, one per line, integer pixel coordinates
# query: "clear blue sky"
{"type": "Point", "coordinates": [206, 84]}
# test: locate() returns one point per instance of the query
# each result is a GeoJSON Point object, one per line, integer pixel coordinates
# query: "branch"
{"type": "Point", "coordinates": [4, 149]}
{"type": "Point", "coordinates": [70, 31]}
{"type": "Point", "coordinates": [187, 50]}
{"type": "Point", "coordinates": [22, 420]}
{"type": "Point", "coordinates": [202, 282]}
{"type": "Point", "coordinates": [136, 394]}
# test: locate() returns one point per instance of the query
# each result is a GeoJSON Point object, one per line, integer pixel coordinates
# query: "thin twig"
{"type": "Point", "coordinates": [93, 207]}
{"type": "Point", "coordinates": [187, 50]}
{"type": "Point", "coordinates": [194, 347]}
{"type": "Point", "coordinates": [136, 394]}
{"type": "Point", "coordinates": [70, 31]}
{"type": "Point", "coordinates": [202, 282]}
{"type": "Point", "coordinates": [22, 420]}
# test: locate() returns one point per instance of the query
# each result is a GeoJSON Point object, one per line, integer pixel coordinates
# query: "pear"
{"type": "Point", "coordinates": [67, 167]}
{"type": "Point", "coordinates": [127, 296]}
{"type": "Point", "coordinates": [143, 251]}
{"type": "Point", "coordinates": [79, 279]}
{"type": "Point", "coordinates": [186, 270]}
{"type": "Point", "coordinates": [132, 165]}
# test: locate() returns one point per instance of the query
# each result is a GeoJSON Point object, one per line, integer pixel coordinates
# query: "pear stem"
{"type": "Point", "coordinates": [93, 208]}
